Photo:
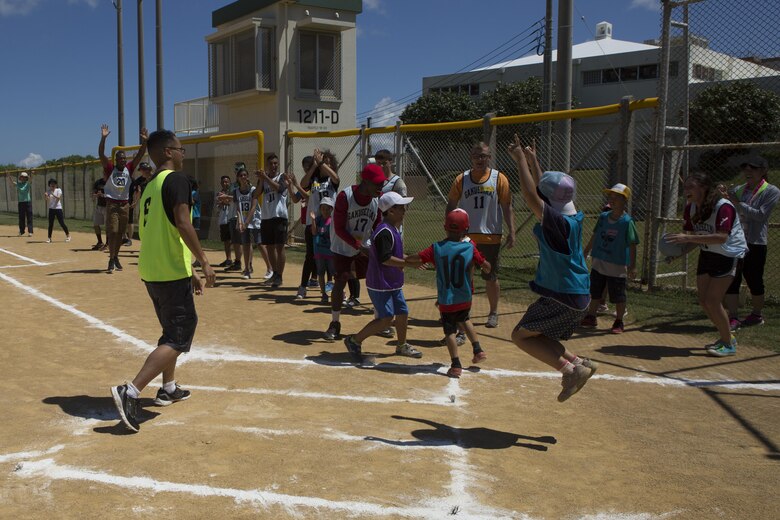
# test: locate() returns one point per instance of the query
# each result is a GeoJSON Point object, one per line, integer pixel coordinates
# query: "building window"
{"type": "Point", "coordinates": [705, 73]}
{"type": "Point", "coordinates": [648, 71]}
{"type": "Point", "coordinates": [242, 62]}
{"type": "Point", "coordinates": [628, 73]}
{"type": "Point", "coordinates": [591, 77]}
{"type": "Point", "coordinates": [609, 76]}
{"type": "Point", "coordinates": [319, 65]}
{"type": "Point", "coordinates": [474, 89]}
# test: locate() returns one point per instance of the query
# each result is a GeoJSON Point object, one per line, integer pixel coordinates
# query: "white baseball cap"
{"type": "Point", "coordinates": [326, 201]}
{"type": "Point", "coordinates": [23, 174]}
{"type": "Point", "coordinates": [391, 198]}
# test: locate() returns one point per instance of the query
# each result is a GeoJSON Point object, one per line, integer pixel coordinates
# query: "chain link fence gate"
{"type": "Point", "coordinates": [719, 103]}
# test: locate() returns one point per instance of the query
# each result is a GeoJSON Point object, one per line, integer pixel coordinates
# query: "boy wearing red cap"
{"type": "Point", "coordinates": [355, 217]}
{"type": "Point", "coordinates": [454, 260]}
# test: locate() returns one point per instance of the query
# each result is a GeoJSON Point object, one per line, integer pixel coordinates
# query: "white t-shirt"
{"type": "Point", "coordinates": [55, 203]}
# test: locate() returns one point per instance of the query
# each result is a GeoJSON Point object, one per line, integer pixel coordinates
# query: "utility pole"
{"type": "Point", "coordinates": [158, 42]}
{"type": "Point", "coordinates": [563, 76]}
{"type": "Point", "coordinates": [120, 75]}
{"type": "Point", "coordinates": [547, 87]}
{"type": "Point", "coordinates": [141, 82]}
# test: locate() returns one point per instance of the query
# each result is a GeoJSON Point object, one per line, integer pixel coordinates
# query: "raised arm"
{"type": "Point", "coordinates": [104, 131]}
{"type": "Point", "coordinates": [533, 162]}
{"type": "Point", "coordinates": [142, 150]}
{"type": "Point", "coordinates": [527, 184]}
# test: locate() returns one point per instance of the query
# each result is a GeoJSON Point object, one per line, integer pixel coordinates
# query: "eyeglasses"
{"type": "Point", "coordinates": [181, 149]}
{"type": "Point", "coordinates": [480, 156]}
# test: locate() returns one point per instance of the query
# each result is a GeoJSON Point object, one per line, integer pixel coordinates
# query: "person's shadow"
{"type": "Point", "coordinates": [300, 337]}
{"type": "Point", "coordinates": [100, 408]}
{"type": "Point", "coordinates": [651, 352]}
{"type": "Point", "coordinates": [467, 438]}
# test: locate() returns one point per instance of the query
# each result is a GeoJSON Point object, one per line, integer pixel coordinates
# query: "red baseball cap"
{"type": "Point", "coordinates": [457, 220]}
{"type": "Point", "coordinates": [373, 173]}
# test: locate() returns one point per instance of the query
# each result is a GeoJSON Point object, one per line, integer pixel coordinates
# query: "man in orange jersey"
{"type": "Point", "coordinates": [483, 193]}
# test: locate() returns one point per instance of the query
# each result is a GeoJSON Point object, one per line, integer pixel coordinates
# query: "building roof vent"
{"type": "Point", "coordinates": [603, 31]}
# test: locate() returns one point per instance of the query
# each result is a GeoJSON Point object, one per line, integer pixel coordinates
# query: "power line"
{"type": "Point", "coordinates": [536, 27]}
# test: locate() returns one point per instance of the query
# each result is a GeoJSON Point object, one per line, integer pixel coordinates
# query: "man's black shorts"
{"type": "Point", "coordinates": [175, 308]}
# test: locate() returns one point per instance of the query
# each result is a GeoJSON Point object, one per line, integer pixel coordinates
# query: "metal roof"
{"type": "Point", "coordinates": [242, 8]}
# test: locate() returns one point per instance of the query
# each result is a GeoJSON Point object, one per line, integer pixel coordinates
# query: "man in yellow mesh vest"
{"type": "Point", "coordinates": [168, 242]}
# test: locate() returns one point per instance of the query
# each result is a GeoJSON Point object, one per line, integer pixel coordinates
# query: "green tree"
{"type": "Point", "coordinates": [510, 99]}
{"type": "Point", "coordinates": [739, 112]}
{"type": "Point", "coordinates": [441, 107]}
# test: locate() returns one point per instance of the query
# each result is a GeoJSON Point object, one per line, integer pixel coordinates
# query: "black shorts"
{"type": "Point", "coordinates": [274, 231]}
{"type": "Point", "coordinates": [490, 252]}
{"type": "Point", "coordinates": [224, 233]}
{"type": "Point", "coordinates": [450, 320]}
{"type": "Point", "coordinates": [349, 267]}
{"type": "Point", "coordinates": [615, 284]}
{"type": "Point", "coordinates": [238, 237]}
{"type": "Point", "coordinates": [175, 308]}
{"type": "Point", "coordinates": [715, 265]}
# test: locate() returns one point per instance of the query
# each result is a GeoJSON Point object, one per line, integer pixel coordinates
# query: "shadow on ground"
{"type": "Point", "coordinates": [101, 409]}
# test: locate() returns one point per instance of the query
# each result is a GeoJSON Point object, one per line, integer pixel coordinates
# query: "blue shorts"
{"type": "Point", "coordinates": [388, 303]}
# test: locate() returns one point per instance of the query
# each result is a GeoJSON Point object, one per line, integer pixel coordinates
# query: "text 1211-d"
{"type": "Point", "coordinates": [318, 116]}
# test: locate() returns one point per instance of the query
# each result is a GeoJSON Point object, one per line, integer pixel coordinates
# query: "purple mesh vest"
{"type": "Point", "coordinates": [381, 277]}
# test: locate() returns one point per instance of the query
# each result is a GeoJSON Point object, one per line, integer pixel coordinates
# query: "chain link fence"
{"type": "Point", "coordinates": [608, 145]}
{"type": "Point", "coordinates": [719, 103]}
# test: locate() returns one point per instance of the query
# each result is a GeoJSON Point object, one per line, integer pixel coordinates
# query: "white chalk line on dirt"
{"type": "Point", "coordinates": [319, 395]}
{"type": "Point", "coordinates": [24, 455]}
{"type": "Point", "coordinates": [48, 468]}
{"type": "Point", "coordinates": [496, 372]}
{"type": "Point", "coordinates": [20, 257]}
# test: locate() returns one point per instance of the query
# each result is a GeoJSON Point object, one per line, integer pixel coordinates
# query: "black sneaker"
{"type": "Point", "coordinates": [354, 348]}
{"type": "Point", "coordinates": [334, 331]}
{"type": "Point", "coordinates": [127, 242]}
{"type": "Point", "coordinates": [165, 399]}
{"type": "Point", "coordinates": [235, 266]}
{"type": "Point", "coordinates": [276, 280]}
{"type": "Point", "coordinates": [110, 265]}
{"type": "Point", "coordinates": [226, 263]}
{"type": "Point", "coordinates": [126, 406]}
{"type": "Point", "coordinates": [98, 246]}
{"type": "Point", "coordinates": [117, 265]}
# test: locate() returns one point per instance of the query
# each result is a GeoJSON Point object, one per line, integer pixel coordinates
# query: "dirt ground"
{"type": "Point", "coordinates": [281, 425]}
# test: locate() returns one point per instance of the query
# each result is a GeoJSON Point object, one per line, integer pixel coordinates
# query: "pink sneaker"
{"type": "Point", "coordinates": [734, 324]}
{"type": "Point", "coordinates": [753, 319]}
{"type": "Point", "coordinates": [454, 372]}
{"type": "Point", "coordinates": [479, 357]}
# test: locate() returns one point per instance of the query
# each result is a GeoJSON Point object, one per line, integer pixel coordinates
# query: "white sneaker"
{"type": "Point", "coordinates": [268, 275]}
{"type": "Point", "coordinates": [48, 240]}
{"type": "Point", "coordinates": [28, 234]}
{"type": "Point", "coordinates": [67, 238]}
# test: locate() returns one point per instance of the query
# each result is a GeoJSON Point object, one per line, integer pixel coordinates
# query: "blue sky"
{"type": "Point", "coordinates": [59, 58]}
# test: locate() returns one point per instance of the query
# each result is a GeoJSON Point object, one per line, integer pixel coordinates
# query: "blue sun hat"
{"type": "Point", "coordinates": [558, 190]}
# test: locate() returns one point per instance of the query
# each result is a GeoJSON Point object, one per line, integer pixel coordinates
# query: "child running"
{"type": "Point", "coordinates": [614, 257]}
{"type": "Point", "coordinates": [561, 280]}
{"type": "Point", "coordinates": [454, 259]}
{"type": "Point", "coordinates": [385, 280]}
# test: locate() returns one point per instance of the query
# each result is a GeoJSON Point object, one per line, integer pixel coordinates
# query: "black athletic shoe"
{"type": "Point", "coordinates": [126, 406]}
{"type": "Point", "coordinates": [110, 265]}
{"type": "Point", "coordinates": [226, 263]}
{"type": "Point", "coordinates": [98, 246]}
{"type": "Point", "coordinates": [235, 266]}
{"type": "Point", "coordinates": [276, 280]}
{"type": "Point", "coordinates": [165, 399]}
{"type": "Point", "coordinates": [117, 265]}
{"type": "Point", "coordinates": [354, 348]}
{"type": "Point", "coordinates": [334, 331]}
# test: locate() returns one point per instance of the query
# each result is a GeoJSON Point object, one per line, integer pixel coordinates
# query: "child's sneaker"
{"type": "Point", "coordinates": [226, 263]}
{"type": "Point", "coordinates": [386, 333]}
{"type": "Point", "coordinates": [722, 349]}
{"type": "Point", "coordinates": [454, 372]}
{"type": "Point", "coordinates": [479, 356]}
{"type": "Point", "coordinates": [602, 309]}
{"type": "Point", "coordinates": [408, 351]}
{"type": "Point", "coordinates": [734, 324]}
{"type": "Point", "coordinates": [268, 274]}
{"type": "Point", "coordinates": [48, 240]}
{"type": "Point", "coordinates": [573, 382]}
{"type": "Point", "coordinates": [313, 283]}
{"type": "Point", "coordinates": [301, 293]}
{"type": "Point", "coordinates": [165, 399]}
{"type": "Point", "coordinates": [753, 319]}
{"type": "Point", "coordinates": [67, 238]}
{"type": "Point", "coordinates": [354, 348]}
{"type": "Point", "coordinates": [617, 327]}
{"type": "Point", "coordinates": [334, 330]}
{"type": "Point", "coordinates": [460, 339]}
{"type": "Point", "coordinates": [235, 266]}
{"type": "Point", "coordinates": [325, 299]}
{"type": "Point", "coordinates": [352, 303]}
{"type": "Point", "coordinates": [492, 321]}
{"type": "Point", "coordinates": [246, 275]}
{"type": "Point", "coordinates": [589, 321]}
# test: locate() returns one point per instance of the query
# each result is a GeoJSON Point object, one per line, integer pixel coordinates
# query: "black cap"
{"type": "Point", "coordinates": [756, 161]}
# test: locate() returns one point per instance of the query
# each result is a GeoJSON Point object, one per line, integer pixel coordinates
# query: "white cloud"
{"type": "Point", "coordinates": [374, 5]}
{"type": "Point", "coordinates": [12, 7]}
{"type": "Point", "coordinates": [386, 112]}
{"type": "Point", "coordinates": [32, 160]}
{"type": "Point", "coordinates": [91, 3]}
{"type": "Point", "coordinates": [653, 5]}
